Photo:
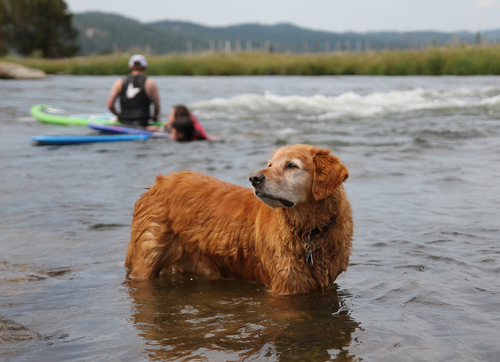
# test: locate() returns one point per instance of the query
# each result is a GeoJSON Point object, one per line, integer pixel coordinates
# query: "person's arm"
{"type": "Point", "coordinates": [152, 91]}
{"type": "Point", "coordinates": [115, 91]}
{"type": "Point", "coordinates": [173, 134]}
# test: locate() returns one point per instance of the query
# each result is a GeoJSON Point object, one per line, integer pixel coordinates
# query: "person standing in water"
{"type": "Point", "coordinates": [136, 91]}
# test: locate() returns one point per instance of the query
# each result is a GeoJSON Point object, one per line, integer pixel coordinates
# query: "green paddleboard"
{"type": "Point", "coordinates": [54, 115]}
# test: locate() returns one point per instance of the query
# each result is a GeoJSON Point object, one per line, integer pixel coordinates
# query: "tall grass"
{"type": "Point", "coordinates": [464, 60]}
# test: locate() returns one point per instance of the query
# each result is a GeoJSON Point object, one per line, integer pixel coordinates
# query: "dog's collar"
{"type": "Point", "coordinates": [317, 230]}
{"type": "Point", "coordinates": [310, 246]}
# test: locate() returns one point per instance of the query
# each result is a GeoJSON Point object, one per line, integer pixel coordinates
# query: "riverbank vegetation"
{"type": "Point", "coordinates": [465, 60]}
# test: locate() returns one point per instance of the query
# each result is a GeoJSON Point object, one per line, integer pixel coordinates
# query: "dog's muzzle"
{"type": "Point", "coordinates": [257, 178]}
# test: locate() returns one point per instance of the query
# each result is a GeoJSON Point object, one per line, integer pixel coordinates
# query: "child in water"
{"type": "Point", "coordinates": [181, 111]}
{"type": "Point", "coordinates": [182, 129]}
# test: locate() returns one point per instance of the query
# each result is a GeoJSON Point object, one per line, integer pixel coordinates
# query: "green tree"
{"type": "Point", "coordinates": [3, 26]}
{"type": "Point", "coordinates": [41, 26]}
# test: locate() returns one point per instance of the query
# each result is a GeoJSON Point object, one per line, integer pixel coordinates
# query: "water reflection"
{"type": "Point", "coordinates": [184, 317]}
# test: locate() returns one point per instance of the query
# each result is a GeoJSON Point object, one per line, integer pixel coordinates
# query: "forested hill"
{"type": "Point", "coordinates": [105, 33]}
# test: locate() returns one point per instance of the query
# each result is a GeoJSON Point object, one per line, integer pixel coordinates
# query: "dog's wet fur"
{"type": "Point", "coordinates": [193, 222]}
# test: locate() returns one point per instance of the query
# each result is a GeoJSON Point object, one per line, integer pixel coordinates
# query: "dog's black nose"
{"type": "Point", "coordinates": [257, 178]}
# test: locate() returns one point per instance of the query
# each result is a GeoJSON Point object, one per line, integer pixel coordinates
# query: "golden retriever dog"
{"type": "Point", "coordinates": [293, 232]}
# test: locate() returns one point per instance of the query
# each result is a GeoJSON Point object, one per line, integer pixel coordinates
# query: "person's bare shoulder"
{"type": "Point", "coordinates": [115, 91]}
{"type": "Point", "coordinates": [151, 87]}
{"type": "Point", "coordinates": [116, 88]}
{"type": "Point", "coordinates": [150, 83]}
{"type": "Point", "coordinates": [118, 84]}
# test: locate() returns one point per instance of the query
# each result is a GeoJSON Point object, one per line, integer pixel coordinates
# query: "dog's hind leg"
{"type": "Point", "coordinates": [151, 237]}
{"type": "Point", "coordinates": [150, 250]}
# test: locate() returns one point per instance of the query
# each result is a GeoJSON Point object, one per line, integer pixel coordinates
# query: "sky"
{"type": "Point", "coordinates": [328, 15]}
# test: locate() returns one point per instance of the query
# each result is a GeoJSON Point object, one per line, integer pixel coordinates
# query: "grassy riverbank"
{"type": "Point", "coordinates": [431, 61]}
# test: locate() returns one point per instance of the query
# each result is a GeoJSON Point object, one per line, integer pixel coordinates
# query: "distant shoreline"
{"type": "Point", "coordinates": [464, 60]}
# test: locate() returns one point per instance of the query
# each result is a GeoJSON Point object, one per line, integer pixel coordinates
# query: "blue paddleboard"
{"type": "Point", "coordinates": [71, 140]}
{"type": "Point", "coordinates": [126, 130]}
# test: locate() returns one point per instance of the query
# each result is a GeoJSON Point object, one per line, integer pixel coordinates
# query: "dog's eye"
{"type": "Point", "coordinates": [269, 165]}
{"type": "Point", "coordinates": [290, 165]}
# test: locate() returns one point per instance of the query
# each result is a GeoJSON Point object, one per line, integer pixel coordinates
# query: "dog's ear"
{"type": "Point", "coordinates": [329, 173]}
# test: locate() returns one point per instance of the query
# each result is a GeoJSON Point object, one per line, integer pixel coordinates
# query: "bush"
{"type": "Point", "coordinates": [434, 61]}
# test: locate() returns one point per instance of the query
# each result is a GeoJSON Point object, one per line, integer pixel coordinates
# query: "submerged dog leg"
{"type": "Point", "coordinates": [150, 251]}
{"type": "Point", "coordinates": [145, 256]}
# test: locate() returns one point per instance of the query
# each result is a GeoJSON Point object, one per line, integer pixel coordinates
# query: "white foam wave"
{"type": "Point", "coordinates": [26, 119]}
{"type": "Point", "coordinates": [492, 101]}
{"type": "Point", "coordinates": [321, 106]}
{"type": "Point", "coordinates": [287, 132]}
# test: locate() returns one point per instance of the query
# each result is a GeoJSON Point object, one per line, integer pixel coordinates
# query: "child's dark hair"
{"type": "Point", "coordinates": [184, 129]}
{"type": "Point", "coordinates": [181, 110]}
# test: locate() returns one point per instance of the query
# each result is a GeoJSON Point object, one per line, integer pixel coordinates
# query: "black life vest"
{"type": "Point", "coordinates": [134, 102]}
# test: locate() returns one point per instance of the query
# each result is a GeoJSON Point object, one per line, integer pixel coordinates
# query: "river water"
{"type": "Point", "coordinates": [424, 279]}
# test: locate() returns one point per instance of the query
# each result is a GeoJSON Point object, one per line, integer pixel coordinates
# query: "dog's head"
{"type": "Point", "coordinates": [296, 174]}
